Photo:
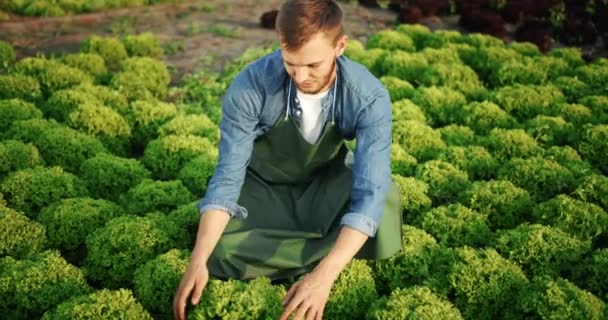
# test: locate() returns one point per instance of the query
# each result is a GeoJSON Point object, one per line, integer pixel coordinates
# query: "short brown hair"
{"type": "Point", "coordinates": [299, 20]}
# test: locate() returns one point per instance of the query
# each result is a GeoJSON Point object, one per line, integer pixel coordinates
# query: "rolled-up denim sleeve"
{"type": "Point", "coordinates": [372, 165]}
{"type": "Point", "coordinates": [240, 116]}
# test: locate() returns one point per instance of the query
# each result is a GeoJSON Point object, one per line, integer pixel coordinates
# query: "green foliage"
{"type": "Point", "coordinates": [484, 116]}
{"type": "Point", "coordinates": [593, 146]}
{"type": "Point", "coordinates": [142, 78]}
{"type": "Point", "coordinates": [595, 76]}
{"type": "Point", "coordinates": [572, 87]}
{"type": "Point", "coordinates": [525, 48]}
{"type": "Point", "coordinates": [146, 117]}
{"type": "Point", "coordinates": [143, 45]}
{"type": "Point", "coordinates": [51, 74]}
{"type": "Point", "coordinates": [196, 173]}
{"type": "Point", "coordinates": [598, 105]}
{"type": "Point", "coordinates": [156, 281]}
{"type": "Point", "coordinates": [577, 114]}
{"type": "Point", "coordinates": [69, 221]}
{"type": "Point", "coordinates": [501, 201]}
{"type": "Point", "coordinates": [441, 104]}
{"type": "Point", "coordinates": [452, 75]}
{"type": "Point", "coordinates": [572, 55]}
{"type": "Point", "coordinates": [125, 243]}
{"type": "Point", "coordinates": [12, 110]}
{"type": "Point", "coordinates": [487, 60]}
{"type": "Point", "coordinates": [593, 273]}
{"type": "Point", "coordinates": [191, 124]}
{"type": "Point", "coordinates": [390, 40]}
{"type": "Point", "coordinates": [402, 163]}
{"type": "Point", "coordinates": [547, 298]}
{"type": "Point", "coordinates": [101, 304]}
{"type": "Point", "coordinates": [569, 158]}
{"type": "Point", "coordinates": [187, 217]}
{"type": "Point", "coordinates": [542, 178]}
{"type": "Point", "coordinates": [413, 303]}
{"type": "Point", "coordinates": [7, 55]}
{"type": "Point", "coordinates": [410, 266]}
{"type": "Point", "coordinates": [482, 40]}
{"type": "Point", "coordinates": [486, 285]}
{"type": "Point", "coordinates": [16, 155]}
{"type": "Point", "coordinates": [110, 49]}
{"type": "Point", "coordinates": [67, 147]}
{"type": "Point", "coordinates": [234, 299]}
{"type": "Point", "coordinates": [30, 287]}
{"type": "Point", "coordinates": [457, 135]}
{"type": "Point", "coordinates": [526, 102]}
{"type": "Point", "coordinates": [19, 86]}
{"type": "Point", "coordinates": [418, 139]}
{"type": "Point", "coordinates": [167, 155]}
{"type": "Point", "coordinates": [506, 144]}
{"type": "Point", "coordinates": [405, 109]}
{"type": "Point", "coordinates": [583, 220]}
{"type": "Point", "coordinates": [29, 130]}
{"type": "Point", "coordinates": [593, 188]}
{"type": "Point", "coordinates": [541, 250]}
{"type": "Point", "coordinates": [475, 160]}
{"type": "Point", "coordinates": [441, 38]}
{"type": "Point", "coordinates": [414, 198]}
{"type": "Point", "coordinates": [20, 237]}
{"type": "Point", "coordinates": [444, 180]}
{"type": "Point", "coordinates": [63, 102]}
{"type": "Point", "coordinates": [91, 63]}
{"type": "Point", "coordinates": [30, 190]}
{"type": "Point", "coordinates": [150, 195]}
{"type": "Point", "coordinates": [108, 97]}
{"type": "Point", "coordinates": [397, 88]}
{"type": "Point", "coordinates": [444, 56]}
{"type": "Point", "coordinates": [102, 122]}
{"type": "Point", "coordinates": [550, 130]}
{"type": "Point", "coordinates": [401, 64]}
{"type": "Point", "coordinates": [352, 293]}
{"type": "Point", "coordinates": [108, 176]}
{"type": "Point", "coordinates": [456, 225]}
{"type": "Point", "coordinates": [524, 71]}
{"type": "Point", "coordinates": [203, 91]}
{"type": "Point", "coordinates": [417, 32]}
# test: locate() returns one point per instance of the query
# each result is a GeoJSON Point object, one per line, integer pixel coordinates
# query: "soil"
{"type": "Point", "coordinates": [195, 34]}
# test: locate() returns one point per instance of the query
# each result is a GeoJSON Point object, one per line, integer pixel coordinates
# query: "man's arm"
{"type": "Point", "coordinates": [371, 182]}
{"type": "Point", "coordinates": [240, 116]}
{"type": "Point", "coordinates": [372, 165]}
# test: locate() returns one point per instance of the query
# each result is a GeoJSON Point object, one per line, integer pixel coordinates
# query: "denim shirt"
{"type": "Point", "coordinates": [256, 99]}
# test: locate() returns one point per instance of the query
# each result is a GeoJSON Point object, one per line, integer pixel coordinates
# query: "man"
{"type": "Point", "coordinates": [282, 170]}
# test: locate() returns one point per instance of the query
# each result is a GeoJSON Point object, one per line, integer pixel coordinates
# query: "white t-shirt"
{"type": "Point", "coordinates": [312, 120]}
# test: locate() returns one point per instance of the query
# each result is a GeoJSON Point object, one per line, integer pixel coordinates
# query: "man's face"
{"type": "Point", "coordinates": [312, 65]}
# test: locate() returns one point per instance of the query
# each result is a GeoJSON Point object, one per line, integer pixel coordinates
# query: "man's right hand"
{"type": "Point", "coordinates": [194, 281]}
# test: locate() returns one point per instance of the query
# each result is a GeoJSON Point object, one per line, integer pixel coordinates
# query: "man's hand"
{"type": "Point", "coordinates": [307, 297]}
{"type": "Point", "coordinates": [194, 281]}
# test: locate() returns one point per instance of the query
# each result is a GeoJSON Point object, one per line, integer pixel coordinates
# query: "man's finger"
{"type": "Point", "coordinates": [198, 291]}
{"type": "Point", "coordinates": [311, 313]}
{"type": "Point", "coordinates": [319, 315]}
{"type": "Point", "coordinates": [290, 293]}
{"type": "Point", "coordinates": [180, 302]}
{"type": "Point", "coordinates": [291, 306]}
{"type": "Point", "coordinates": [302, 310]}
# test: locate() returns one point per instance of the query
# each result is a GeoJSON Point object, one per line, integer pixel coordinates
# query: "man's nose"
{"type": "Point", "coordinates": [300, 75]}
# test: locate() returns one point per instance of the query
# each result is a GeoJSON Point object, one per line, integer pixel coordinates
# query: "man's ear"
{"type": "Point", "coordinates": [341, 45]}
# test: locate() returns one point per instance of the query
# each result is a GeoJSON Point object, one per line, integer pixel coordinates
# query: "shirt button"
{"type": "Point", "coordinates": [298, 112]}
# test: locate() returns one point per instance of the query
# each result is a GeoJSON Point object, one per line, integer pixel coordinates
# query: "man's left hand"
{"type": "Point", "coordinates": [307, 297]}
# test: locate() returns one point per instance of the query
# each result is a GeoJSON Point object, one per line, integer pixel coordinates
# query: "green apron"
{"type": "Point", "coordinates": [296, 193]}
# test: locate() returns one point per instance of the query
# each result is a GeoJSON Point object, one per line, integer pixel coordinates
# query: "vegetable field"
{"type": "Point", "coordinates": [500, 152]}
